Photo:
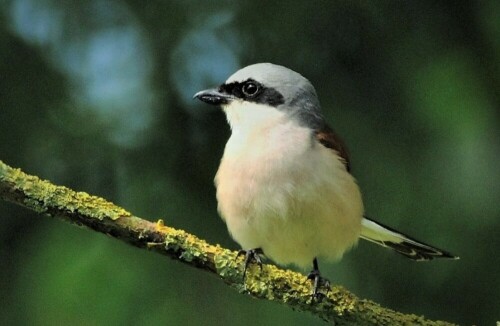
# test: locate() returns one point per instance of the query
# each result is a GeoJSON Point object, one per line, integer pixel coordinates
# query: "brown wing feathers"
{"type": "Point", "coordinates": [328, 138]}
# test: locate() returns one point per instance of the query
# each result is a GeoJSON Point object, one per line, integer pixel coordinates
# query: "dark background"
{"type": "Point", "coordinates": [97, 96]}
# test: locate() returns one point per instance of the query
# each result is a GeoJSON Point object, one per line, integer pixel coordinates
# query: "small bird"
{"type": "Point", "coordinates": [284, 184]}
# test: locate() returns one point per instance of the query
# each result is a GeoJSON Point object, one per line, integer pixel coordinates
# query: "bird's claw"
{"type": "Point", "coordinates": [318, 283]}
{"type": "Point", "coordinates": [250, 256]}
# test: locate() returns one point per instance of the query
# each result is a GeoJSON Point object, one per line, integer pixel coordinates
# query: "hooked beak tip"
{"type": "Point", "coordinates": [197, 95]}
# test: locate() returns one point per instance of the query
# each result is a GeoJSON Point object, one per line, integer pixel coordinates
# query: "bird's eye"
{"type": "Point", "coordinates": [250, 89]}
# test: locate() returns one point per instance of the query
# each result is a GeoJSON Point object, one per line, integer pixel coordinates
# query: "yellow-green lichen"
{"type": "Point", "coordinates": [42, 196]}
{"type": "Point", "coordinates": [229, 267]}
{"type": "Point", "coordinates": [190, 247]}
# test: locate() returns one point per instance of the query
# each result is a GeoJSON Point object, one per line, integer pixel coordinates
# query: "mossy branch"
{"type": "Point", "coordinates": [272, 283]}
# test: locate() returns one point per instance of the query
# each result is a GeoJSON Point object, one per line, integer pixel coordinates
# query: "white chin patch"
{"type": "Point", "coordinates": [248, 116]}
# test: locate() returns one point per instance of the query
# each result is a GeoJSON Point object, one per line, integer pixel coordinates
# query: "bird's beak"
{"type": "Point", "coordinates": [213, 96]}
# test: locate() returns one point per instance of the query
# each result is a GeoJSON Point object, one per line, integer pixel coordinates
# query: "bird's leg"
{"type": "Point", "coordinates": [251, 255]}
{"type": "Point", "coordinates": [317, 280]}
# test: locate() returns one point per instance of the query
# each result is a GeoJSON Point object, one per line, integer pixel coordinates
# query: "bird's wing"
{"type": "Point", "coordinates": [403, 244]}
{"type": "Point", "coordinates": [328, 138]}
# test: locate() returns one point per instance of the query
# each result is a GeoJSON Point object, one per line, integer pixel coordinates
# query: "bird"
{"type": "Point", "coordinates": [284, 186]}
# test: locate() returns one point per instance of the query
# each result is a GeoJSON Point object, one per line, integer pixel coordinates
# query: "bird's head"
{"type": "Point", "coordinates": [264, 92]}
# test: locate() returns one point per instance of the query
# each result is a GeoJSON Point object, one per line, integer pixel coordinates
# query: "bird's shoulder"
{"type": "Point", "coordinates": [328, 138]}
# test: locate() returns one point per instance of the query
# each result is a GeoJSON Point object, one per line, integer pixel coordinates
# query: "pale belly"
{"type": "Point", "coordinates": [296, 207]}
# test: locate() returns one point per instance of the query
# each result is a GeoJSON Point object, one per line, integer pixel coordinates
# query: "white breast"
{"type": "Point", "coordinates": [280, 190]}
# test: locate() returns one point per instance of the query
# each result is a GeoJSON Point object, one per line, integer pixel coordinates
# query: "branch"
{"type": "Point", "coordinates": [272, 283]}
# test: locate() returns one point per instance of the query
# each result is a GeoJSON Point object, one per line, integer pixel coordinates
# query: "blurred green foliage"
{"type": "Point", "coordinates": [97, 96]}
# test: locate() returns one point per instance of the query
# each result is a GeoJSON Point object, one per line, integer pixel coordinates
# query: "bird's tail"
{"type": "Point", "coordinates": [390, 238]}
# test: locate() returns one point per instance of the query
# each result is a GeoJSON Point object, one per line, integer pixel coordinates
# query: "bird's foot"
{"type": "Point", "coordinates": [251, 255]}
{"type": "Point", "coordinates": [318, 282]}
